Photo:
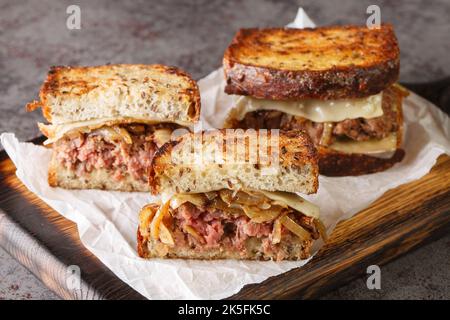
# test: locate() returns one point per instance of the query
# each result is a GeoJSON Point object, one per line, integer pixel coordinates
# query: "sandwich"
{"type": "Point", "coordinates": [232, 209]}
{"type": "Point", "coordinates": [106, 122]}
{"type": "Point", "coordinates": [338, 84]}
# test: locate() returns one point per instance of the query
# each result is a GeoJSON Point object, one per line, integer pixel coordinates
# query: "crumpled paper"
{"type": "Point", "coordinates": [107, 221]}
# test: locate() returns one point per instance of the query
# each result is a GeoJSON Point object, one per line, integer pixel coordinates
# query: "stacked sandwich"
{"type": "Point", "coordinates": [106, 122]}
{"type": "Point", "coordinates": [335, 83]}
{"type": "Point", "coordinates": [222, 208]}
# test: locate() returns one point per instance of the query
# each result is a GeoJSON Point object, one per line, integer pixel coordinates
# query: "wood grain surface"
{"type": "Point", "coordinates": [401, 220]}
{"type": "Point", "coordinates": [47, 243]}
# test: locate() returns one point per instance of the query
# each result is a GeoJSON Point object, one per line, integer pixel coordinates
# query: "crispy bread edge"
{"type": "Point", "coordinates": [50, 84]}
{"type": "Point", "coordinates": [161, 159]}
{"type": "Point", "coordinates": [336, 83]}
{"type": "Point", "coordinates": [336, 164]}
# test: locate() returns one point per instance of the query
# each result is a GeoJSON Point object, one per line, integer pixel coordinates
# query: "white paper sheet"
{"type": "Point", "coordinates": [107, 221]}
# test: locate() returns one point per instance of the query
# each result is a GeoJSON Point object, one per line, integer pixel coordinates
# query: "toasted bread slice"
{"type": "Point", "coordinates": [141, 92]}
{"type": "Point", "coordinates": [324, 63]}
{"type": "Point", "coordinates": [338, 164]}
{"type": "Point", "coordinates": [291, 163]}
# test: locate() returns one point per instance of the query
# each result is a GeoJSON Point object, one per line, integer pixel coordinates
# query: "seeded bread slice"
{"type": "Point", "coordinates": [291, 166]}
{"type": "Point", "coordinates": [152, 92]}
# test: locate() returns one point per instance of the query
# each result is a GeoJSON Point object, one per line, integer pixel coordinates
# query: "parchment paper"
{"type": "Point", "coordinates": [107, 221]}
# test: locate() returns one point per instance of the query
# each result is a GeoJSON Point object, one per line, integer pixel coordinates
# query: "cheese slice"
{"type": "Point", "coordinates": [373, 146]}
{"type": "Point", "coordinates": [55, 132]}
{"type": "Point", "coordinates": [294, 201]}
{"type": "Point", "coordinates": [314, 109]}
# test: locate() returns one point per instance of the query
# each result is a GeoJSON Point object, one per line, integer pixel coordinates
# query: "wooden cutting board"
{"type": "Point", "coordinates": [401, 220]}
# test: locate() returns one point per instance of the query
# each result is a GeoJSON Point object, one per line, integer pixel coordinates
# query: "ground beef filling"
{"type": "Point", "coordinates": [85, 152]}
{"type": "Point", "coordinates": [356, 129]}
{"type": "Point", "coordinates": [213, 228]}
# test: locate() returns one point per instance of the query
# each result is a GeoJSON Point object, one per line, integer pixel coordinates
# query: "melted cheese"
{"type": "Point", "coordinates": [314, 109]}
{"type": "Point", "coordinates": [373, 146]}
{"type": "Point", "coordinates": [294, 201]}
{"type": "Point", "coordinates": [56, 132]}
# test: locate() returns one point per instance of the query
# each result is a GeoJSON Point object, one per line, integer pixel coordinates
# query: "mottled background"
{"type": "Point", "coordinates": [193, 35]}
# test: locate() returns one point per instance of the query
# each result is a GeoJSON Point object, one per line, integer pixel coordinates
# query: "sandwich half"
{"type": "Point", "coordinates": [232, 209]}
{"type": "Point", "coordinates": [338, 84]}
{"type": "Point", "coordinates": [106, 122]}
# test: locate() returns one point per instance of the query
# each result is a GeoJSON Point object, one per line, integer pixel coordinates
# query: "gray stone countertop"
{"type": "Point", "coordinates": [193, 36]}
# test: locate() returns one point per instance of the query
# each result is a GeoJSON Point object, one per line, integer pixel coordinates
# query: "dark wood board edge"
{"type": "Point", "coordinates": [338, 274]}
{"type": "Point", "coordinates": [53, 272]}
{"type": "Point", "coordinates": [107, 286]}
{"type": "Point", "coordinates": [21, 229]}
{"type": "Point", "coordinates": [40, 261]}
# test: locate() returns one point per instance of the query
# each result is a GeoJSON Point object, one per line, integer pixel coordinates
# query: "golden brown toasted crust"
{"type": "Point", "coordinates": [324, 63]}
{"type": "Point", "coordinates": [296, 152]}
{"type": "Point", "coordinates": [52, 175]}
{"type": "Point", "coordinates": [336, 164]}
{"type": "Point", "coordinates": [141, 245]}
{"type": "Point", "coordinates": [295, 155]}
{"type": "Point", "coordinates": [71, 83]}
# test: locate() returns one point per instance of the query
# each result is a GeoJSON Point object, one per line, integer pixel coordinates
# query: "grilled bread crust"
{"type": "Point", "coordinates": [72, 94]}
{"type": "Point", "coordinates": [298, 166]}
{"type": "Point", "coordinates": [323, 63]}
{"type": "Point", "coordinates": [337, 164]}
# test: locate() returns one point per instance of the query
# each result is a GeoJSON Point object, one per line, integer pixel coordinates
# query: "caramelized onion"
{"type": "Point", "coordinates": [226, 196]}
{"type": "Point", "coordinates": [136, 128]}
{"type": "Point", "coordinates": [165, 236]}
{"type": "Point", "coordinates": [194, 233]}
{"type": "Point", "coordinates": [321, 228]}
{"type": "Point", "coordinates": [74, 135]}
{"type": "Point", "coordinates": [145, 217]}
{"type": "Point", "coordinates": [325, 139]}
{"type": "Point", "coordinates": [249, 199]}
{"type": "Point", "coordinates": [114, 134]}
{"type": "Point", "coordinates": [234, 209]}
{"type": "Point", "coordinates": [196, 199]}
{"type": "Point", "coordinates": [241, 197]}
{"type": "Point", "coordinates": [259, 216]}
{"type": "Point", "coordinates": [264, 206]}
{"type": "Point", "coordinates": [124, 134]}
{"type": "Point", "coordinates": [159, 215]}
{"type": "Point", "coordinates": [295, 228]}
{"type": "Point", "coordinates": [276, 232]}
{"type": "Point", "coordinates": [211, 195]}
{"type": "Point", "coordinates": [162, 136]}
